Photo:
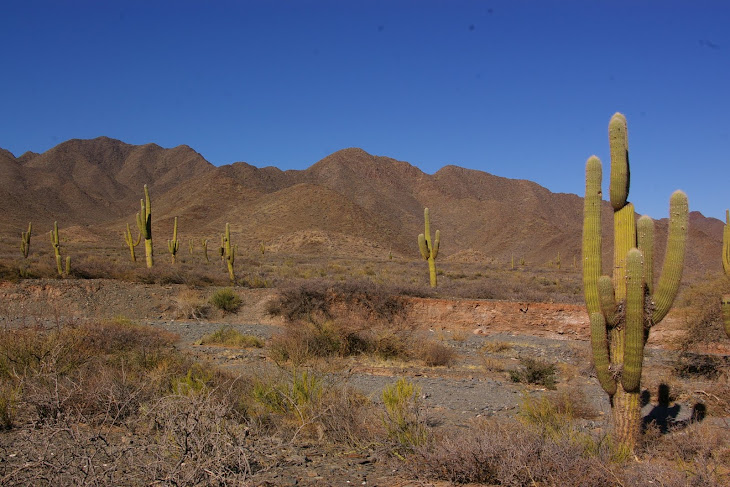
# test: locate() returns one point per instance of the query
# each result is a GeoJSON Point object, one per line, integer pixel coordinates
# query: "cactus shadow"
{"type": "Point", "coordinates": [664, 415]}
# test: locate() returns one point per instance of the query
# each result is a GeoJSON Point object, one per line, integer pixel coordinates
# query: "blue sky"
{"type": "Point", "coordinates": [520, 89]}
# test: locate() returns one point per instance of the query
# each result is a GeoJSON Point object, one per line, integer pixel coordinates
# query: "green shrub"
{"type": "Point", "coordinates": [402, 419]}
{"type": "Point", "coordinates": [226, 300]}
{"type": "Point", "coordinates": [535, 371]}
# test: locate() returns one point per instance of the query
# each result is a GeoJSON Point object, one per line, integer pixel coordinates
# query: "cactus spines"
{"type": "Point", "coordinates": [173, 245]}
{"type": "Point", "coordinates": [429, 249]}
{"type": "Point", "coordinates": [25, 241]}
{"type": "Point", "coordinates": [726, 267]}
{"type": "Point", "coordinates": [144, 223]}
{"type": "Point", "coordinates": [229, 252]}
{"type": "Point", "coordinates": [56, 243]}
{"type": "Point", "coordinates": [622, 309]}
{"type": "Point", "coordinates": [131, 242]}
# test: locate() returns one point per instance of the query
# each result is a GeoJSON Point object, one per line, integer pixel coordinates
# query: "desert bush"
{"type": "Point", "coordinates": [231, 337]}
{"type": "Point", "coordinates": [701, 312]}
{"type": "Point", "coordinates": [435, 354]}
{"type": "Point", "coordinates": [689, 364]}
{"type": "Point", "coordinates": [403, 417]}
{"type": "Point", "coordinates": [495, 347]}
{"type": "Point", "coordinates": [226, 300]}
{"type": "Point", "coordinates": [535, 371]}
{"type": "Point", "coordinates": [190, 305]}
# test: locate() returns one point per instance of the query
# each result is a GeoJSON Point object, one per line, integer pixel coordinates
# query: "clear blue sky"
{"type": "Point", "coordinates": [520, 89]}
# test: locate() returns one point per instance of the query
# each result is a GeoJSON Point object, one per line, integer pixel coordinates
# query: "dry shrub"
{"type": "Point", "coordinates": [230, 337]}
{"type": "Point", "coordinates": [325, 319]}
{"type": "Point", "coordinates": [435, 354]}
{"type": "Point", "coordinates": [190, 305]}
{"type": "Point", "coordinates": [496, 347]}
{"type": "Point", "coordinates": [534, 371]}
{"type": "Point", "coordinates": [702, 313]}
{"type": "Point", "coordinates": [510, 455]}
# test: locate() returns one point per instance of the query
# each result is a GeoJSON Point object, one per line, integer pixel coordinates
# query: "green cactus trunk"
{"type": "Point", "coordinates": [56, 243]}
{"type": "Point", "coordinates": [230, 253]}
{"type": "Point", "coordinates": [173, 245]}
{"type": "Point", "coordinates": [429, 249]}
{"type": "Point", "coordinates": [144, 223]}
{"type": "Point", "coordinates": [131, 243]}
{"type": "Point", "coordinates": [623, 309]}
{"type": "Point", "coordinates": [25, 241]}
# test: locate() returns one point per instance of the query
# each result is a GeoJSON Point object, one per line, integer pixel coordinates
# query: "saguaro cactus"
{"type": "Point", "coordinates": [623, 309]}
{"type": "Point", "coordinates": [131, 243]}
{"type": "Point", "coordinates": [173, 245]}
{"type": "Point", "coordinates": [56, 243]}
{"type": "Point", "coordinates": [725, 266]}
{"type": "Point", "coordinates": [25, 241]}
{"type": "Point", "coordinates": [204, 244]}
{"type": "Point", "coordinates": [429, 249]}
{"type": "Point", "coordinates": [144, 223]}
{"type": "Point", "coordinates": [229, 252]}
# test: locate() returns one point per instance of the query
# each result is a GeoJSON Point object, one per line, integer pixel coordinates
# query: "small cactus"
{"type": "Point", "coordinates": [429, 249]}
{"type": "Point", "coordinates": [144, 223]}
{"type": "Point", "coordinates": [204, 245]}
{"type": "Point", "coordinates": [229, 252]}
{"type": "Point", "coordinates": [726, 267]}
{"type": "Point", "coordinates": [56, 243]}
{"type": "Point", "coordinates": [190, 246]}
{"type": "Point", "coordinates": [173, 245]}
{"type": "Point", "coordinates": [25, 241]}
{"type": "Point", "coordinates": [131, 242]}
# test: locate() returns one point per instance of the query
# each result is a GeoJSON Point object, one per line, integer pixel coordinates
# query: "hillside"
{"type": "Point", "coordinates": [349, 203]}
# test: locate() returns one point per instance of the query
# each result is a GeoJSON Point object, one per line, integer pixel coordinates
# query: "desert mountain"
{"type": "Point", "coordinates": [349, 203]}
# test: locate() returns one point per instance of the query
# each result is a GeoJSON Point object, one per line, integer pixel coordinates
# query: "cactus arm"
{"type": "Point", "coordinates": [436, 242]}
{"type": "Point", "coordinates": [204, 244]}
{"type": "Point", "coordinates": [674, 257]}
{"type": "Point", "coordinates": [619, 145]}
{"type": "Point", "coordinates": [423, 247]}
{"type": "Point", "coordinates": [634, 337]}
{"type": "Point", "coordinates": [725, 303]}
{"type": "Point", "coordinates": [129, 240]}
{"type": "Point", "coordinates": [427, 232]}
{"type": "Point", "coordinates": [599, 345]}
{"type": "Point", "coordinates": [645, 240]}
{"type": "Point", "coordinates": [592, 239]}
{"type": "Point", "coordinates": [608, 301]}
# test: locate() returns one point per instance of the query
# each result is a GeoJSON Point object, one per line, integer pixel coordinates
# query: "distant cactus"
{"type": "Point", "coordinates": [25, 241]}
{"type": "Point", "coordinates": [173, 245]}
{"type": "Point", "coordinates": [190, 246]}
{"type": "Point", "coordinates": [56, 243]}
{"type": "Point", "coordinates": [229, 252]}
{"type": "Point", "coordinates": [726, 267]}
{"type": "Point", "coordinates": [131, 243]}
{"type": "Point", "coordinates": [262, 248]}
{"type": "Point", "coordinates": [429, 250]}
{"type": "Point", "coordinates": [144, 223]}
{"type": "Point", "coordinates": [204, 244]}
{"type": "Point", "coordinates": [623, 310]}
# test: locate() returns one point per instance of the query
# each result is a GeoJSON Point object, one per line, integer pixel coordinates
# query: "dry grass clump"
{"type": "Point", "coordinates": [190, 305]}
{"type": "Point", "coordinates": [226, 300]}
{"type": "Point", "coordinates": [700, 303]}
{"type": "Point", "coordinates": [435, 354]}
{"type": "Point", "coordinates": [230, 337]}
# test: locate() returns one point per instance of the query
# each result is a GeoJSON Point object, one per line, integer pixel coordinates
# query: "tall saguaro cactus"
{"type": "Point", "coordinates": [623, 309]}
{"type": "Point", "coordinates": [429, 249]}
{"type": "Point", "coordinates": [25, 241]}
{"type": "Point", "coordinates": [726, 267]}
{"type": "Point", "coordinates": [144, 223]}
{"type": "Point", "coordinates": [56, 243]}
{"type": "Point", "coordinates": [173, 245]}
{"type": "Point", "coordinates": [131, 243]}
{"type": "Point", "coordinates": [229, 252]}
